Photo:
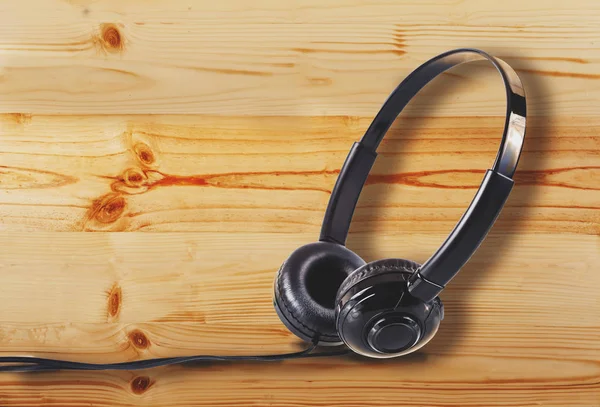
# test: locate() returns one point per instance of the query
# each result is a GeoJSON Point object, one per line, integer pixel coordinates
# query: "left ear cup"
{"type": "Point", "coordinates": [306, 287]}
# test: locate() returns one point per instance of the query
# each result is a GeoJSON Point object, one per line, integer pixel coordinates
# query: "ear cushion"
{"type": "Point", "coordinates": [376, 268]}
{"type": "Point", "coordinates": [306, 287]}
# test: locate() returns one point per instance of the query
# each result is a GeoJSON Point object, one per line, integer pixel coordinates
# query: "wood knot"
{"type": "Point", "coordinates": [138, 339]}
{"type": "Point", "coordinates": [108, 208]}
{"type": "Point", "coordinates": [114, 301]}
{"type": "Point", "coordinates": [144, 154]}
{"type": "Point", "coordinates": [111, 37]}
{"type": "Point", "coordinates": [22, 118]}
{"type": "Point", "coordinates": [134, 177]}
{"type": "Point", "coordinates": [135, 181]}
{"type": "Point", "coordinates": [140, 384]}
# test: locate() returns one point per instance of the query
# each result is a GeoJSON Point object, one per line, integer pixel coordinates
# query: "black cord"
{"type": "Point", "coordinates": [34, 364]}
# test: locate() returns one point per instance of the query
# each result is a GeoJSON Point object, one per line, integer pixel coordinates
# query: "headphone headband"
{"type": "Point", "coordinates": [481, 214]}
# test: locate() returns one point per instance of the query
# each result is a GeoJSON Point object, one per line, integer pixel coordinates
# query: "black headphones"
{"type": "Point", "coordinates": [327, 295]}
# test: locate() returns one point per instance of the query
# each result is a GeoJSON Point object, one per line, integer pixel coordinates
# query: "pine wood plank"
{"type": "Point", "coordinates": [252, 174]}
{"type": "Point", "coordinates": [407, 382]}
{"type": "Point", "coordinates": [298, 58]}
{"type": "Point", "coordinates": [226, 279]}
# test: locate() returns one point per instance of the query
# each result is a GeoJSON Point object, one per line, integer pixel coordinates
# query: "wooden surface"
{"type": "Point", "coordinates": [202, 140]}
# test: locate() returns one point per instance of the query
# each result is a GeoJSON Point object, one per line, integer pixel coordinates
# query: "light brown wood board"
{"type": "Point", "coordinates": [159, 160]}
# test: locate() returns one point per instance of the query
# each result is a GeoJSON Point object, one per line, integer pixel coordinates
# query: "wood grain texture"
{"type": "Point", "coordinates": [247, 174]}
{"type": "Point", "coordinates": [293, 58]}
{"type": "Point", "coordinates": [504, 331]}
{"type": "Point", "coordinates": [202, 139]}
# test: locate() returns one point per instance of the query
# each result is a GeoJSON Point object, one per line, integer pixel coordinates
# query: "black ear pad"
{"type": "Point", "coordinates": [376, 268]}
{"type": "Point", "coordinates": [306, 287]}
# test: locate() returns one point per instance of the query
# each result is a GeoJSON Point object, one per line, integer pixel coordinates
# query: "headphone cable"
{"type": "Point", "coordinates": [35, 364]}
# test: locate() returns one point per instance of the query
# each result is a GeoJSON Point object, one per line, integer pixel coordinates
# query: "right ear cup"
{"type": "Point", "coordinates": [376, 316]}
{"type": "Point", "coordinates": [306, 288]}
{"type": "Point", "coordinates": [375, 268]}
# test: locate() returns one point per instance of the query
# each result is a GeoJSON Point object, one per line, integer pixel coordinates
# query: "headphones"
{"type": "Point", "coordinates": [327, 295]}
